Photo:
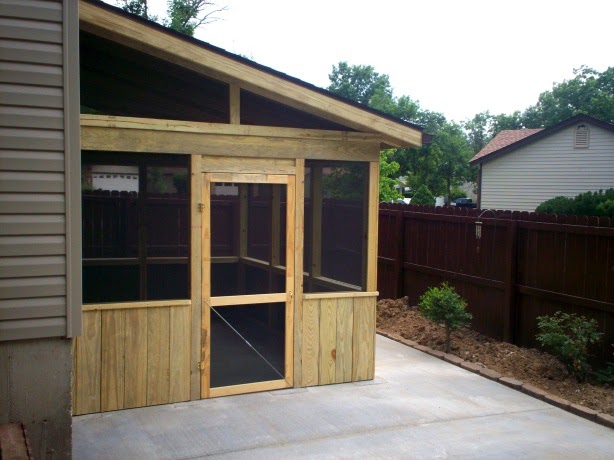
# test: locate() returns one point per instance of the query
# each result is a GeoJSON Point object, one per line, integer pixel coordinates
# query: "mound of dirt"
{"type": "Point", "coordinates": [526, 364]}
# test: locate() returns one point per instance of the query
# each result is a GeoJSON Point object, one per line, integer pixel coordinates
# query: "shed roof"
{"type": "Point", "coordinates": [507, 141]}
{"type": "Point", "coordinates": [149, 37]}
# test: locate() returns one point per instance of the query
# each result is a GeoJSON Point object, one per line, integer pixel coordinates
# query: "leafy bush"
{"type": "Point", "coordinates": [585, 204]}
{"type": "Point", "coordinates": [457, 193]}
{"type": "Point", "coordinates": [568, 337]}
{"type": "Point", "coordinates": [443, 305]}
{"type": "Point", "coordinates": [423, 196]}
{"type": "Point", "coordinates": [557, 205]}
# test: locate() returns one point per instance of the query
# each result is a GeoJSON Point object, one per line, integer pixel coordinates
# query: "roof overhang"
{"type": "Point", "coordinates": [151, 38]}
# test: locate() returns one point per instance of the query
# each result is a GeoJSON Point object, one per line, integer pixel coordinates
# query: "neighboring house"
{"type": "Point", "coordinates": [519, 169]}
{"type": "Point", "coordinates": [156, 189]}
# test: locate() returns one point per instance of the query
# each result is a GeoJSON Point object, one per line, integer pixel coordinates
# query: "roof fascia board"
{"type": "Point", "coordinates": [580, 118]}
{"type": "Point", "coordinates": [142, 37]}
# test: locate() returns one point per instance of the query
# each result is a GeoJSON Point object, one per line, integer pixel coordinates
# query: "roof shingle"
{"type": "Point", "coordinates": [503, 139]}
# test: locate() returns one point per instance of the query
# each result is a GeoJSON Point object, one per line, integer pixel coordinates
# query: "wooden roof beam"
{"type": "Point", "coordinates": [138, 35]}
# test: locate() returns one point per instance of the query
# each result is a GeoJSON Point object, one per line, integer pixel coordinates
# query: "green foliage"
{"type": "Point", "coordinates": [443, 305]}
{"type": "Point", "coordinates": [457, 193]}
{"type": "Point", "coordinates": [568, 337]}
{"type": "Point", "coordinates": [441, 165]}
{"type": "Point", "coordinates": [184, 16]}
{"type": "Point", "coordinates": [423, 196]}
{"type": "Point", "coordinates": [557, 205]}
{"type": "Point", "coordinates": [589, 92]}
{"type": "Point", "coordinates": [585, 204]}
{"type": "Point", "coordinates": [346, 182]}
{"type": "Point", "coordinates": [388, 172]}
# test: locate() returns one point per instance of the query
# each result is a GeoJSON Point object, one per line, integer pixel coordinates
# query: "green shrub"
{"type": "Point", "coordinates": [557, 205]}
{"type": "Point", "coordinates": [423, 196]}
{"type": "Point", "coordinates": [585, 204]}
{"type": "Point", "coordinates": [443, 305]}
{"type": "Point", "coordinates": [568, 337]}
{"type": "Point", "coordinates": [457, 193]}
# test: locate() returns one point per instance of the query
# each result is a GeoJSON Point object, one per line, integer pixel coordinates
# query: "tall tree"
{"type": "Point", "coordinates": [184, 16]}
{"type": "Point", "coordinates": [441, 166]}
{"type": "Point", "coordinates": [589, 92]}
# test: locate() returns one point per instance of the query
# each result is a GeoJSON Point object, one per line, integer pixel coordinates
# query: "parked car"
{"type": "Point", "coordinates": [464, 203]}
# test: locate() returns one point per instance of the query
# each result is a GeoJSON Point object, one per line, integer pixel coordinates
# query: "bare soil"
{"type": "Point", "coordinates": [528, 365]}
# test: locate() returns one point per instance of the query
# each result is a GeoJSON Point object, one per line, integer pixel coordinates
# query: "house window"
{"type": "Point", "coordinates": [582, 137]}
{"type": "Point", "coordinates": [336, 197]}
{"type": "Point", "coordinates": [135, 233]}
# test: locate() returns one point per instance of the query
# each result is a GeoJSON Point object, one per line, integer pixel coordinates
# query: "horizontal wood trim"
{"type": "Point", "coordinates": [453, 275]}
{"type": "Point", "coordinates": [132, 305]}
{"type": "Point", "coordinates": [338, 295]}
{"type": "Point", "coordinates": [565, 298]}
{"type": "Point", "coordinates": [205, 61]}
{"type": "Point", "coordinates": [249, 178]}
{"type": "Point", "coordinates": [225, 260]}
{"type": "Point", "coordinates": [248, 165]}
{"type": "Point", "coordinates": [248, 388]}
{"type": "Point", "coordinates": [121, 140]}
{"type": "Point", "coordinates": [250, 299]}
{"type": "Point", "coordinates": [154, 124]}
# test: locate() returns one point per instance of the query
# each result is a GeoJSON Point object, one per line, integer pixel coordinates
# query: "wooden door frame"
{"type": "Point", "coordinates": [208, 302]}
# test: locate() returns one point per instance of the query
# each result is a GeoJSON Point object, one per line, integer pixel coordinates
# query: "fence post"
{"type": "Point", "coordinates": [509, 295]}
{"type": "Point", "coordinates": [398, 261]}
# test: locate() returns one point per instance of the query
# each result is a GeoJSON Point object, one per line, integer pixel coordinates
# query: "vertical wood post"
{"type": "Point", "coordinates": [509, 311]}
{"type": "Point", "coordinates": [398, 260]}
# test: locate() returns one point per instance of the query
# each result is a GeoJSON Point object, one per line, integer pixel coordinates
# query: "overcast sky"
{"type": "Point", "coordinates": [455, 57]}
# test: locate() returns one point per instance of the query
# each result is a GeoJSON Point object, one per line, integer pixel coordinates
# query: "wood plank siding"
{"type": "Point", "coordinates": [548, 167]}
{"type": "Point", "coordinates": [39, 146]}
{"type": "Point", "coordinates": [132, 356]}
{"type": "Point", "coordinates": [337, 341]}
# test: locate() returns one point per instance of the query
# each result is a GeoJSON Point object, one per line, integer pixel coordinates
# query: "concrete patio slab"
{"type": "Point", "coordinates": [417, 407]}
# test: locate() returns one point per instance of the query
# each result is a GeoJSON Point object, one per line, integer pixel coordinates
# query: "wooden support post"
{"type": "Point", "coordinates": [243, 202]}
{"type": "Point", "coordinates": [205, 367]}
{"type": "Point", "coordinates": [235, 104]}
{"type": "Point", "coordinates": [196, 273]}
{"type": "Point", "coordinates": [275, 236]}
{"type": "Point", "coordinates": [316, 222]}
{"type": "Point", "coordinates": [372, 228]}
{"type": "Point", "coordinates": [509, 312]}
{"type": "Point", "coordinates": [299, 243]}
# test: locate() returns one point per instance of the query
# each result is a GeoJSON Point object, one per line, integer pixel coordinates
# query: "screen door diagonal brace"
{"type": "Point", "coordinates": [245, 340]}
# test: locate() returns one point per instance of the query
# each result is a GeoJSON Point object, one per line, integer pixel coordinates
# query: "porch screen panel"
{"type": "Point", "coordinates": [135, 227]}
{"type": "Point", "coordinates": [336, 197]}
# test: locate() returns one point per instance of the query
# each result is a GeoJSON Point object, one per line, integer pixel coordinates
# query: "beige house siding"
{"type": "Point", "coordinates": [548, 167]}
{"type": "Point", "coordinates": [39, 146]}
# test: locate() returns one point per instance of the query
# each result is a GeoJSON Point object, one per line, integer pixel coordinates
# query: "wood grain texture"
{"type": "Point", "coordinates": [363, 339]}
{"type": "Point", "coordinates": [299, 241]}
{"type": "Point", "coordinates": [196, 275]}
{"type": "Point", "coordinates": [113, 328]}
{"type": "Point", "coordinates": [372, 229]}
{"type": "Point", "coordinates": [179, 368]}
{"type": "Point", "coordinates": [135, 386]}
{"type": "Point", "coordinates": [345, 323]}
{"type": "Point", "coordinates": [328, 341]}
{"type": "Point", "coordinates": [158, 356]}
{"type": "Point", "coordinates": [248, 165]}
{"type": "Point", "coordinates": [205, 320]}
{"type": "Point", "coordinates": [310, 346]}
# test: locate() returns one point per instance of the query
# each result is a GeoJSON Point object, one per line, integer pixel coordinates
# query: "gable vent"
{"type": "Point", "coordinates": [581, 140]}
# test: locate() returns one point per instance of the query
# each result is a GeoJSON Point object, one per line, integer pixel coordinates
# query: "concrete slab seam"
{"type": "Point", "coordinates": [530, 390]}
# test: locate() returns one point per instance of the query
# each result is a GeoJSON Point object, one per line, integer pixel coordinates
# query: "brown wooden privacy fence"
{"type": "Point", "coordinates": [522, 266]}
